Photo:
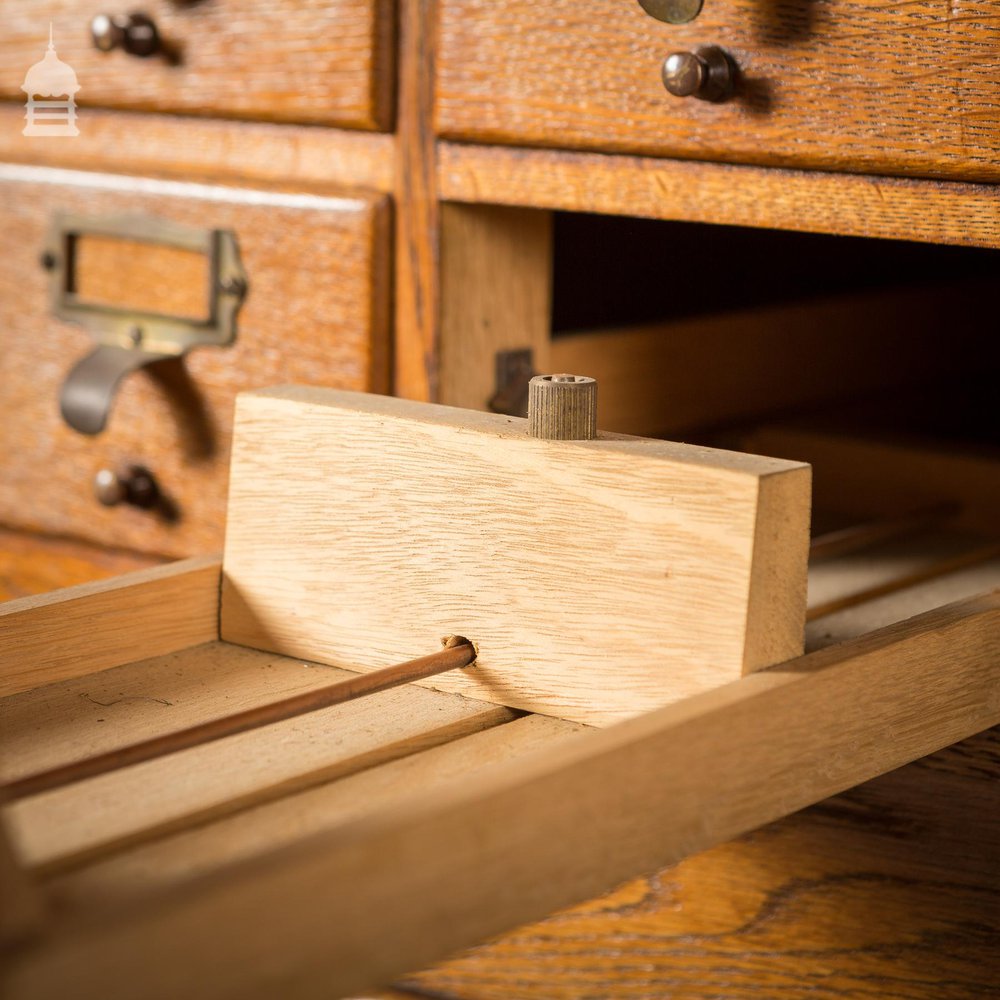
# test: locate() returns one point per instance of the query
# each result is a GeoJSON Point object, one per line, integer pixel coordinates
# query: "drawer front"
{"type": "Point", "coordinates": [877, 87]}
{"type": "Point", "coordinates": [315, 311]}
{"type": "Point", "coordinates": [326, 61]}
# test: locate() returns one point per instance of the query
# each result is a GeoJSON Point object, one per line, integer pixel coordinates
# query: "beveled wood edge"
{"type": "Point", "coordinates": [95, 626]}
{"type": "Point", "coordinates": [552, 829]}
{"type": "Point", "coordinates": [913, 209]}
{"type": "Point", "coordinates": [125, 142]}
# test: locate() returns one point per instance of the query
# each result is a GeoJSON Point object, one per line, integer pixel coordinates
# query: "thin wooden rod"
{"type": "Point", "coordinates": [459, 652]}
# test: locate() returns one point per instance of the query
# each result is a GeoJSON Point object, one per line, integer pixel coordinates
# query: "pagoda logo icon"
{"type": "Point", "coordinates": [51, 78]}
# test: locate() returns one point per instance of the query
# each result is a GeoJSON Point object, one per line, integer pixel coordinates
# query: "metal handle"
{"type": "Point", "coordinates": [135, 34]}
{"type": "Point", "coordinates": [672, 11]}
{"type": "Point", "coordinates": [708, 74]}
{"type": "Point", "coordinates": [129, 339]}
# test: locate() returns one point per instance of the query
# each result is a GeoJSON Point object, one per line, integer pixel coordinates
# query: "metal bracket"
{"type": "Point", "coordinates": [128, 339]}
{"type": "Point", "coordinates": [514, 370]}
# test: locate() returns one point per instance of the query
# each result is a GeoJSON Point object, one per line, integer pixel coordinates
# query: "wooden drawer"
{"type": "Point", "coordinates": [315, 311]}
{"type": "Point", "coordinates": [328, 62]}
{"type": "Point", "coordinates": [875, 87]}
{"type": "Point", "coordinates": [329, 853]}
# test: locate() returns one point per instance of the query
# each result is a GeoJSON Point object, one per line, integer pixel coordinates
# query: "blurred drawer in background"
{"type": "Point", "coordinates": [322, 61]}
{"type": "Point", "coordinates": [876, 87]}
{"type": "Point", "coordinates": [315, 311]}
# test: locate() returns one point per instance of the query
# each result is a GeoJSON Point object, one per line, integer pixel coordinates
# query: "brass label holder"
{"type": "Point", "coordinates": [129, 339]}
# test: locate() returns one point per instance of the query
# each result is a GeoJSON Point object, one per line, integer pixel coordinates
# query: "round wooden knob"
{"type": "Point", "coordinates": [135, 34]}
{"type": "Point", "coordinates": [562, 407]}
{"type": "Point", "coordinates": [707, 74]}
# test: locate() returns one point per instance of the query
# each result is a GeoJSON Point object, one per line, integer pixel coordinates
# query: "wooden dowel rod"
{"type": "Point", "coordinates": [457, 653]}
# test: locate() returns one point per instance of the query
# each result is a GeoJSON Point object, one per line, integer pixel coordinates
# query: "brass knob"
{"type": "Point", "coordinates": [136, 486]}
{"type": "Point", "coordinates": [707, 73]}
{"type": "Point", "coordinates": [672, 11]}
{"type": "Point", "coordinates": [135, 34]}
{"type": "Point", "coordinates": [562, 407]}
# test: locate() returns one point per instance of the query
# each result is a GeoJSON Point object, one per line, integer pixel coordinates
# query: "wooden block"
{"type": "Point", "coordinates": [600, 579]}
{"type": "Point", "coordinates": [95, 626]}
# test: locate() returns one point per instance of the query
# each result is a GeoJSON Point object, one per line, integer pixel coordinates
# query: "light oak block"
{"type": "Point", "coordinates": [600, 579]}
{"type": "Point", "coordinates": [130, 617]}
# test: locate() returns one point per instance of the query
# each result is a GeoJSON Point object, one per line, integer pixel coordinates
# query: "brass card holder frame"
{"type": "Point", "coordinates": [129, 339]}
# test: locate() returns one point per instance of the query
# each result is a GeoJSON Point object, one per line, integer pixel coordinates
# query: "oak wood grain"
{"type": "Point", "coordinates": [150, 611]}
{"type": "Point", "coordinates": [98, 817]}
{"type": "Point", "coordinates": [162, 144]}
{"type": "Point", "coordinates": [672, 568]}
{"type": "Point", "coordinates": [284, 61]}
{"type": "Point", "coordinates": [799, 200]}
{"type": "Point", "coordinates": [891, 889]}
{"type": "Point", "coordinates": [417, 217]}
{"type": "Point", "coordinates": [549, 830]}
{"type": "Point", "coordinates": [875, 87]}
{"type": "Point", "coordinates": [286, 821]}
{"type": "Point", "coordinates": [33, 564]}
{"type": "Point", "coordinates": [496, 295]}
{"type": "Point", "coordinates": [316, 311]}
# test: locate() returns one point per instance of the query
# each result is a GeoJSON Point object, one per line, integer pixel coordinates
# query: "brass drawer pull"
{"type": "Point", "coordinates": [135, 34]}
{"type": "Point", "coordinates": [672, 11]}
{"type": "Point", "coordinates": [708, 74]}
{"type": "Point", "coordinates": [129, 339]}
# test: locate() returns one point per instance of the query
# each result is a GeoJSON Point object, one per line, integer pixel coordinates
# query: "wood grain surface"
{"type": "Point", "coordinates": [891, 889]}
{"type": "Point", "coordinates": [100, 816]}
{"type": "Point", "coordinates": [874, 87]}
{"type": "Point", "coordinates": [162, 144]}
{"type": "Point", "coordinates": [800, 200]}
{"type": "Point", "coordinates": [284, 61]}
{"type": "Point", "coordinates": [546, 830]}
{"type": "Point", "coordinates": [316, 311]}
{"type": "Point", "coordinates": [148, 612]}
{"type": "Point", "coordinates": [128, 875]}
{"type": "Point", "coordinates": [496, 295]}
{"type": "Point", "coordinates": [33, 564]}
{"type": "Point", "coordinates": [670, 567]}
{"type": "Point", "coordinates": [418, 213]}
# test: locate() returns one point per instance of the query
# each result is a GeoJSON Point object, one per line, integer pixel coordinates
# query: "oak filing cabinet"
{"type": "Point", "coordinates": [421, 194]}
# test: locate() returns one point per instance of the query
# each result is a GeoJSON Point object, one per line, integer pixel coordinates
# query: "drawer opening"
{"type": "Point", "coordinates": [874, 360]}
